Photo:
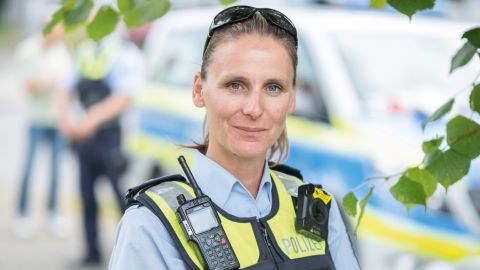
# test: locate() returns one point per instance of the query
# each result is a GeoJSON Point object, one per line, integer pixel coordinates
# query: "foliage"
{"type": "Point", "coordinates": [440, 112]}
{"type": "Point", "coordinates": [439, 166]}
{"type": "Point", "coordinates": [463, 56]}
{"type": "Point", "coordinates": [475, 99]}
{"type": "Point", "coordinates": [104, 22]}
{"type": "Point", "coordinates": [350, 204]}
{"type": "Point", "coordinates": [76, 13]}
{"type": "Point", "coordinates": [414, 186]}
{"type": "Point", "coordinates": [363, 204]}
{"type": "Point", "coordinates": [410, 7]}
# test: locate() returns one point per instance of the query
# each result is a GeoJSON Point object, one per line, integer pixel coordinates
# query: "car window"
{"type": "Point", "coordinates": [309, 96]}
{"type": "Point", "coordinates": [387, 65]}
{"type": "Point", "coordinates": [180, 58]}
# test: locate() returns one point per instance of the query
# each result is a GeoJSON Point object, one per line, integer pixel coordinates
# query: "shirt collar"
{"type": "Point", "coordinates": [218, 183]}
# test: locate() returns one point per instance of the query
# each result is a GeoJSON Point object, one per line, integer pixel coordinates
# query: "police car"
{"type": "Point", "coordinates": [365, 82]}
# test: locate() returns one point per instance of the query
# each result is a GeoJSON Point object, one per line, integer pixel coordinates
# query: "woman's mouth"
{"type": "Point", "coordinates": [250, 131]}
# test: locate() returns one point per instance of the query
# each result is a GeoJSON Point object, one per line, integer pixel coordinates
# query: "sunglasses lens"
{"type": "Point", "coordinates": [240, 13]}
{"type": "Point", "coordinates": [280, 20]}
{"type": "Point", "coordinates": [232, 15]}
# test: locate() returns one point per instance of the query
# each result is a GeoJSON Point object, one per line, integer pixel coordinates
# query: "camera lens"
{"type": "Point", "coordinates": [318, 211]}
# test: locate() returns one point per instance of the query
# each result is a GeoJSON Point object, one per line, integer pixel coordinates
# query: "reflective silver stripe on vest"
{"type": "Point", "coordinates": [169, 192]}
{"type": "Point", "coordinates": [290, 183]}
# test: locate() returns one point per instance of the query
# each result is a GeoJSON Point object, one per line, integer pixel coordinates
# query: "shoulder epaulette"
{"type": "Point", "coordinates": [132, 192]}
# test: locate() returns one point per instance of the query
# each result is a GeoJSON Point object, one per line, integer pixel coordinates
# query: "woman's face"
{"type": "Point", "coordinates": [248, 93]}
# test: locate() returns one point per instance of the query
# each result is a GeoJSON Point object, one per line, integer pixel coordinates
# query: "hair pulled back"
{"type": "Point", "coordinates": [257, 24]}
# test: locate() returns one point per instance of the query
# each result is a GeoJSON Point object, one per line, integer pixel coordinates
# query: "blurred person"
{"type": "Point", "coordinates": [107, 75]}
{"type": "Point", "coordinates": [43, 63]}
{"type": "Point", "coordinates": [247, 86]}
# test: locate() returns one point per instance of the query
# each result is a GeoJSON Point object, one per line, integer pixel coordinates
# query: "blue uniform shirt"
{"type": "Point", "coordinates": [144, 243]}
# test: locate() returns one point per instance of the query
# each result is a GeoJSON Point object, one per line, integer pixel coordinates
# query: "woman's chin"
{"type": "Point", "coordinates": [250, 150]}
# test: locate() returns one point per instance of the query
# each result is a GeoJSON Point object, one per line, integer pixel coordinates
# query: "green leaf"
{"type": "Point", "coordinates": [444, 109]}
{"type": "Point", "coordinates": [378, 3]}
{"type": "Point", "coordinates": [432, 145]}
{"type": "Point", "coordinates": [473, 36]}
{"type": "Point", "coordinates": [475, 99]}
{"type": "Point", "coordinates": [424, 178]}
{"type": "Point", "coordinates": [104, 23]}
{"type": "Point", "coordinates": [56, 18]}
{"type": "Point", "coordinates": [363, 203]}
{"type": "Point", "coordinates": [447, 167]}
{"type": "Point", "coordinates": [463, 56]}
{"type": "Point", "coordinates": [69, 4]}
{"type": "Point", "coordinates": [124, 5]}
{"type": "Point", "coordinates": [78, 14]}
{"type": "Point", "coordinates": [410, 7]}
{"type": "Point", "coordinates": [350, 204]}
{"type": "Point", "coordinates": [227, 2]}
{"type": "Point", "coordinates": [146, 12]}
{"type": "Point", "coordinates": [463, 136]}
{"type": "Point", "coordinates": [409, 192]}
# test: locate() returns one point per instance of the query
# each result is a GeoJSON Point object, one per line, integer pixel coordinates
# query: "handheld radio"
{"type": "Point", "coordinates": [201, 224]}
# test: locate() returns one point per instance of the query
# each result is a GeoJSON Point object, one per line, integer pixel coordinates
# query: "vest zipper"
{"type": "Point", "coordinates": [266, 238]}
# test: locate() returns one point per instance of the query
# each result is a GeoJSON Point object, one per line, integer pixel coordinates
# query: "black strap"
{"type": "Point", "coordinates": [146, 201]}
{"type": "Point", "coordinates": [286, 169]}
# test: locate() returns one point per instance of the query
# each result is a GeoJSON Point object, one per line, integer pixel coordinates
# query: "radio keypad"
{"type": "Point", "coordinates": [218, 252]}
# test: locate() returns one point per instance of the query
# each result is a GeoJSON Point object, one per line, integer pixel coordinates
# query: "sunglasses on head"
{"type": "Point", "coordinates": [237, 14]}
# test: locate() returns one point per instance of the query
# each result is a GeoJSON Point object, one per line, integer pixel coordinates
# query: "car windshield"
{"type": "Point", "coordinates": [180, 58]}
{"type": "Point", "coordinates": [389, 65]}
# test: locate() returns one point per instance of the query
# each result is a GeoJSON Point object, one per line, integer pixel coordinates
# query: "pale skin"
{"type": "Point", "coordinates": [247, 93]}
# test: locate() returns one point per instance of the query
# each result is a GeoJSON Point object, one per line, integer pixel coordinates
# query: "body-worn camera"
{"type": "Point", "coordinates": [201, 224]}
{"type": "Point", "coordinates": [312, 212]}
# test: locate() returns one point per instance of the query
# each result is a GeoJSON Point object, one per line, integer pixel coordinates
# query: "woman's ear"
{"type": "Point", "coordinates": [197, 91]}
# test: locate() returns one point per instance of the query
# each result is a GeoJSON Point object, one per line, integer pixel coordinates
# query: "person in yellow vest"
{"type": "Point", "coordinates": [247, 87]}
{"type": "Point", "coordinates": [107, 75]}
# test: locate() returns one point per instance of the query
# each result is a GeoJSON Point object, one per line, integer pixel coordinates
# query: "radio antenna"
{"type": "Point", "coordinates": [190, 178]}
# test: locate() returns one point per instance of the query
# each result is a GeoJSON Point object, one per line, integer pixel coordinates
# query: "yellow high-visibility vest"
{"type": "Point", "coordinates": [270, 242]}
{"type": "Point", "coordinates": [94, 60]}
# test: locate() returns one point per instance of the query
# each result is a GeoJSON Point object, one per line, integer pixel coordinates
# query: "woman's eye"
{"type": "Point", "coordinates": [234, 86]}
{"type": "Point", "coordinates": [273, 88]}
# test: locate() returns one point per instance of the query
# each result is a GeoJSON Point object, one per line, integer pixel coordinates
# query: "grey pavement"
{"type": "Point", "coordinates": [45, 249]}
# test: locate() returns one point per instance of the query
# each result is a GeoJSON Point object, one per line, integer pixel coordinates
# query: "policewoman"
{"type": "Point", "coordinates": [247, 87]}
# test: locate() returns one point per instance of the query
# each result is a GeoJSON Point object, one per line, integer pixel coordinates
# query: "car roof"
{"type": "Point", "coordinates": [325, 18]}
{"type": "Point", "coordinates": [311, 20]}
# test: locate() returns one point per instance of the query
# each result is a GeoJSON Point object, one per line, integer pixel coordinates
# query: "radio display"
{"type": "Point", "coordinates": [202, 220]}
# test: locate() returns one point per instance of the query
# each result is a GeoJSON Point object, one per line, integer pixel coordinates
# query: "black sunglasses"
{"type": "Point", "coordinates": [237, 14]}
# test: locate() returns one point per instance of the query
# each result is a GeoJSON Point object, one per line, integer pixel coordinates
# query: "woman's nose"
{"type": "Point", "coordinates": [253, 104]}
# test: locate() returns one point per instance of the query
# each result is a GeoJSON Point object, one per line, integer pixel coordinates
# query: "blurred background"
{"type": "Point", "coordinates": [366, 81]}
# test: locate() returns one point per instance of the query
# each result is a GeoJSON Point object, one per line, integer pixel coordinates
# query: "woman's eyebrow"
{"type": "Point", "coordinates": [234, 77]}
{"type": "Point", "coordinates": [278, 81]}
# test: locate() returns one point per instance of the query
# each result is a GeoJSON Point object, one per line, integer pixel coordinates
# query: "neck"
{"type": "Point", "coordinates": [248, 171]}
